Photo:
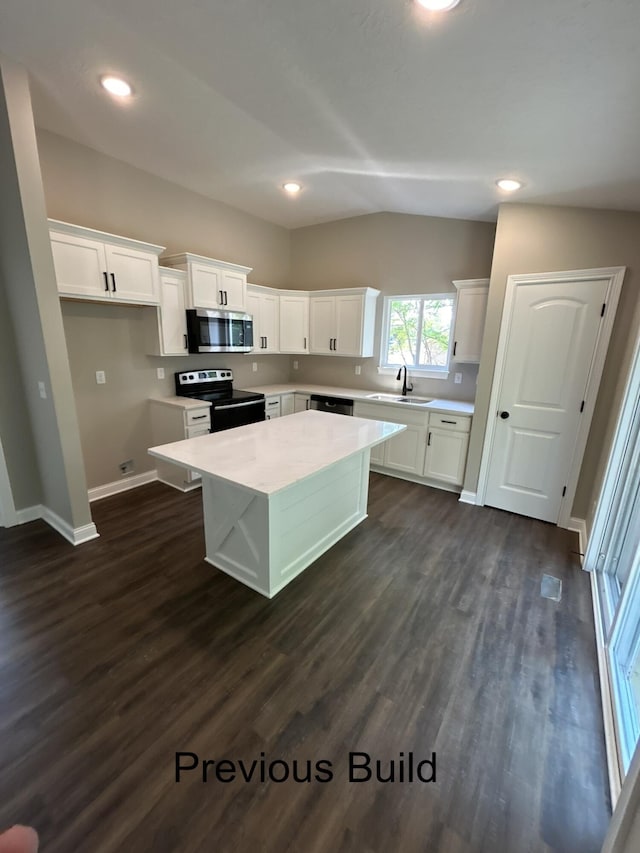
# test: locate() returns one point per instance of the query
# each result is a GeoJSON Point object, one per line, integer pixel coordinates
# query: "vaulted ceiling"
{"type": "Point", "coordinates": [370, 104]}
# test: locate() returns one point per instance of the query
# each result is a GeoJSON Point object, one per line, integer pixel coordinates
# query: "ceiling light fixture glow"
{"type": "Point", "coordinates": [438, 5]}
{"type": "Point", "coordinates": [292, 187]}
{"type": "Point", "coordinates": [116, 86]}
{"type": "Point", "coordinates": [508, 184]}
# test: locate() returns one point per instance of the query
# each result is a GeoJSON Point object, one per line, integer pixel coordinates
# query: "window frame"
{"type": "Point", "coordinates": [426, 371]}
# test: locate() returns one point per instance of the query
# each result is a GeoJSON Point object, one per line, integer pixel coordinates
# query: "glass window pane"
{"type": "Point", "coordinates": [403, 331]}
{"type": "Point", "coordinates": [436, 329]}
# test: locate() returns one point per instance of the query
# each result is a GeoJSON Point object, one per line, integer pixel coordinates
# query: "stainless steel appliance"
{"type": "Point", "coordinates": [229, 407]}
{"type": "Point", "coordinates": [336, 405]}
{"type": "Point", "coordinates": [219, 331]}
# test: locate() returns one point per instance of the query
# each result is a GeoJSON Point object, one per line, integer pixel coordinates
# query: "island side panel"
{"type": "Point", "coordinates": [310, 516]}
{"type": "Point", "coordinates": [236, 528]}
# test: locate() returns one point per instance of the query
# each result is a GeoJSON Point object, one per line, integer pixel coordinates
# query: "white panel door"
{"type": "Point", "coordinates": [446, 455]}
{"type": "Point", "coordinates": [549, 351]}
{"type": "Point", "coordinates": [134, 275]}
{"type": "Point", "coordinates": [349, 311]}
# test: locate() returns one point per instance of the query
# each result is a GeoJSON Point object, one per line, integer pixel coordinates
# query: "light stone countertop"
{"type": "Point", "coordinates": [458, 407]}
{"type": "Point", "coordinates": [181, 402]}
{"type": "Point", "coordinates": [269, 456]}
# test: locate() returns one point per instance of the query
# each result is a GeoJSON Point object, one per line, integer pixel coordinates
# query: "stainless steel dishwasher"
{"type": "Point", "coordinates": [335, 405]}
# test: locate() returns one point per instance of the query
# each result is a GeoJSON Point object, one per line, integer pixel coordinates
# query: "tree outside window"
{"type": "Point", "coordinates": [418, 331]}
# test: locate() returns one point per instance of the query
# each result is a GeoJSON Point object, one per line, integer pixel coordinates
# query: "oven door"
{"type": "Point", "coordinates": [231, 415]}
{"type": "Point", "coordinates": [219, 331]}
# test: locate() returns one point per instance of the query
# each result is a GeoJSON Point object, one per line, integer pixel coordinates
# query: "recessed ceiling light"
{"type": "Point", "coordinates": [438, 5]}
{"type": "Point", "coordinates": [291, 187]}
{"type": "Point", "coordinates": [508, 184]}
{"type": "Point", "coordinates": [116, 86]}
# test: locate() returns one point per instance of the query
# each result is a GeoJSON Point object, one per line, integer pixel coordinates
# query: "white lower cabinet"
{"type": "Point", "coordinates": [171, 421]}
{"type": "Point", "coordinates": [272, 407]}
{"type": "Point", "coordinates": [287, 404]}
{"type": "Point", "coordinates": [405, 452]}
{"type": "Point", "coordinates": [301, 402]}
{"type": "Point", "coordinates": [432, 449]}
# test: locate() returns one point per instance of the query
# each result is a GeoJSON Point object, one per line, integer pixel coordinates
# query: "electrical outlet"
{"type": "Point", "coordinates": [358, 370]}
{"type": "Point", "coordinates": [42, 390]}
{"type": "Point", "coordinates": [160, 372]}
{"type": "Point", "coordinates": [295, 365]}
{"type": "Point", "coordinates": [126, 467]}
{"type": "Point", "coordinates": [101, 377]}
{"type": "Point", "coordinates": [457, 378]}
{"type": "Point", "coordinates": [254, 366]}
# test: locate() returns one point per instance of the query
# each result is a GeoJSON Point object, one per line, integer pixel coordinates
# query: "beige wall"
{"type": "Point", "coordinates": [27, 273]}
{"type": "Point", "coordinates": [87, 188]}
{"type": "Point", "coordinates": [395, 253]}
{"type": "Point", "coordinates": [532, 239]}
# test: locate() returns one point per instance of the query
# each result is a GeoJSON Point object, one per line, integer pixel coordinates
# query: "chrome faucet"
{"type": "Point", "coordinates": [405, 387]}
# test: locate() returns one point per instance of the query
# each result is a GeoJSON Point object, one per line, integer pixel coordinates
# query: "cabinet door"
{"type": "Point", "coordinates": [349, 316]}
{"type": "Point", "coordinates": [405, 451]}
{"type": "Point", "coordinates": [133, 275]}
{"type": "Point", "coordinates": [446, 455]}
{"type": "Point", "coordinates": [322, 324]}
{"type": "Point", "coordinates": [287, 404]}
{"type": "Point", "coordinates": [206, 286]}
{"type": "Point", "coordinates": [173, 318]}
{"type": "Point", "coordinates": [377, 454]}
{"type": "Point", "coordinates": [254, 307]}
{"type": "Point", "coordinates": [272, 408]}
{"type": "Point", "coordinates": [270, 321]}
{"type": "Point", "coordinates": [81, 266]}
{"type": "Point", "coordinates": [294, 324]}
{"type": "Point", "coordinates": [301, 402]}
{"type": "Point", "coordinates": [471, 310]}
{"type": "Point", "coordinates": [233, 286]}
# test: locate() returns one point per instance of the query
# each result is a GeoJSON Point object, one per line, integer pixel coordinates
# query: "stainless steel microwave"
{"type": "Point", "coordinates": [219, 331]}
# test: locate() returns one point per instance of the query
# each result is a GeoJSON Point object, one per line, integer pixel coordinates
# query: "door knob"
{"type": "Point", "coordinates": [504, 415]}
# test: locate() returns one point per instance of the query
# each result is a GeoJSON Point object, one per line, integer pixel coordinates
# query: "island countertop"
{"type": "Point", "coordinates": [269, 456]}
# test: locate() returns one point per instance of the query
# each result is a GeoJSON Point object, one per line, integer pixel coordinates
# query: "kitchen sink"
{"type": "Point", "coordinates": [394, 398]}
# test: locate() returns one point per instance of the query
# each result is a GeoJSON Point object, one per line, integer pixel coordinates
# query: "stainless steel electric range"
{"type": "Point", "coordinates": [229, 407]}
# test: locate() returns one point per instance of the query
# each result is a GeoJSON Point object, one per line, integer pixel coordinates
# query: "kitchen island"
{"type": "Point", "coordinates": [278, 494]}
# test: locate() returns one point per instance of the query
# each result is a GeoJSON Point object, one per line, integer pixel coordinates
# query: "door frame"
{"type": "Point", "coordinates": [8, 515]}
{"type": "Point", "coordinates": [615, 277]}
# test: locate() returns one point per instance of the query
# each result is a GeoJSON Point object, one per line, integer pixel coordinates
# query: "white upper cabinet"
{"type": "Point", "coordinates": [471, 311]}
{"type": "Point", "coordinates": [167, 334]}
{"type": "Point", "coordinates": [294, 321]}
{"type": "Point", "coordinates": [263, 303]}
{"type": "Point", "coordinates": [92, 264]}
{"type": "Point", "coordinates": [211, 283]}
{"type": "Point", "coordinates": [341, 322]}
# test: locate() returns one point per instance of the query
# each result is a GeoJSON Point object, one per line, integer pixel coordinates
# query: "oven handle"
{"type": "Point", "coordinates": [238, 405]}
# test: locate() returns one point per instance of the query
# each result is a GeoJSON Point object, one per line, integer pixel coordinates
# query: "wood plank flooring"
{"type": "Point", "coordinates": [422, 631]}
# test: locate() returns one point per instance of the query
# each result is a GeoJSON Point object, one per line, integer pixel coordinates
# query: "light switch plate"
{"type": "Point", "coordinates": [358, 370]}
{"type": "Point", "coordinates": [295, 365]}
{"type": "Point", "coordinates": [160, 372]}
{"type": "Point", "coordinates": [457, 378]}
{"type": "Point", "coordinates": [254, 366]}
{"type": "Point", "coordinates": [101, 377]}
{"type": "Point", "coordinates": [42, 390]}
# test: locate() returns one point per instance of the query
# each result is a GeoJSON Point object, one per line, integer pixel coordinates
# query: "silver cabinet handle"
{"type": "Point", "coordinates": [238, 405]}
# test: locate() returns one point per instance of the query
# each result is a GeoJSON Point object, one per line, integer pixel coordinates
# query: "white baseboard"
{"type": "Point", "coordinates": [606, 698]}
{"type": "Point", "coordinates": [108, 489]}
{"type": "Point", "coordinates": [579, 526]}
{"type": "Point", "coordinates": [75, 535]}
{"type": "Point", "coordinates": [467, 497]}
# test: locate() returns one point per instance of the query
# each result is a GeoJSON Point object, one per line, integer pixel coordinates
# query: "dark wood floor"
{"type": "Point", "coordinates": [423, 630]}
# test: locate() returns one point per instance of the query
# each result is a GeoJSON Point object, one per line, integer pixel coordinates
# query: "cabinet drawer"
{"type": "Point", "coordinates": [461, 423]}
{"type": "Point", "coordinates": [193, 417]}
{"type": "Point", "coordinates": [195, 431]}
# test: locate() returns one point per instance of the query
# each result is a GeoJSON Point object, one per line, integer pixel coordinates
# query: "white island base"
{"type": "Point", "coordinates": [278, 494]}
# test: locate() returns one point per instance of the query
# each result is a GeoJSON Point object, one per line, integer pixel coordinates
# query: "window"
{"type": "Point", "coordinates": [416, 331]}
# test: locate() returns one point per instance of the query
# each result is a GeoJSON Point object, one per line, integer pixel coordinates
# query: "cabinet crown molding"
{"type": "Point", "coordinates": [190, 258]}
{"type": "Point", "coordinates": [105, 236]}
{"type": "Point", "coordinates": [470, 282]}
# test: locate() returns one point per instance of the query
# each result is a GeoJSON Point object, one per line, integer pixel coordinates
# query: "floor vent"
{"type": "Point", "coordinates": [551, 587]}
